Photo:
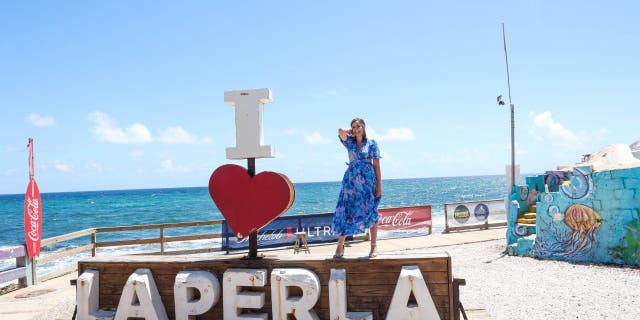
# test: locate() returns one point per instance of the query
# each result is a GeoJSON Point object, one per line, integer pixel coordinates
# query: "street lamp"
{"type": "Point", "coordinates": [501, 103]}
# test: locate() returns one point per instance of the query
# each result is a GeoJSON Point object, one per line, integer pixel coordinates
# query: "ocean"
{"type": "Point", "coordinates": [67, 212]}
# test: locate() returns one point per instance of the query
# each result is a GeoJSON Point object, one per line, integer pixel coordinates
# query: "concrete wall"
{"type": "Point", "coordinates": [592, 217]}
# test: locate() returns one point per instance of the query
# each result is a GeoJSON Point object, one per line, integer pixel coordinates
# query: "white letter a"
{"type": "Point", "coordinates": [410, 280]}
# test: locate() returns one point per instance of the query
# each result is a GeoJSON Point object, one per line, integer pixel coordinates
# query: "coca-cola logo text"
{"type": "Point", "coordinates": [401, 218]}
{"type": "Point", "coordinates": [33, 208]}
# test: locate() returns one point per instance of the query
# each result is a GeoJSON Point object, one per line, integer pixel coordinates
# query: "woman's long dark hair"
{"type": "Point", "coordinates": [364, 129]}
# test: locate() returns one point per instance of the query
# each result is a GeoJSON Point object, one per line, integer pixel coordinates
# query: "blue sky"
{"type": "Point", "coordinates": [129, 94]}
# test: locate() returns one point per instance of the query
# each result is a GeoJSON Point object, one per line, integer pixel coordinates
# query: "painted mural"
{"type": "Point", "coordinates": [580, 216]}
{"type": "Point", "coordinates": [583, 222]}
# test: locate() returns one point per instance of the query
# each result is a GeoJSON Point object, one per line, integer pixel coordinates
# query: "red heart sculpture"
{"type": "Point", "coordinates": [246, 203]}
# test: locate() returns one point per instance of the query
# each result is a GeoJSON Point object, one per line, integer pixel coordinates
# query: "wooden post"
{"type": "Point", "coordinates": [32, 277]}
{"type": "Point", "coordinates": [446, 219]}
{"type": "Point", "coordinates": [93, 242]}
{"type": "Point", "coordinates": [162, 240]}
{"type": "Point", "coordinates": [253, 237]}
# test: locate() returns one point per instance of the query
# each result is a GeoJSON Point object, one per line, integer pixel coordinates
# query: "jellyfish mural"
{"type": "Point", "coordinates": [583, 222]}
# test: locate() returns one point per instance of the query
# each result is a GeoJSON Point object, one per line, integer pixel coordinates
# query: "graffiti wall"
{"type": "Point", "coordinates": [585, 217]}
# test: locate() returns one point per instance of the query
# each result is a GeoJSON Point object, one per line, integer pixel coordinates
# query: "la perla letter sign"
{"type": "Point", "coordinates": [249, 104]}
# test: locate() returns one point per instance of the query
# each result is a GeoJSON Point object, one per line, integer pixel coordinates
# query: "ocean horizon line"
{"type": "Point", "coordinates": [295, 183]}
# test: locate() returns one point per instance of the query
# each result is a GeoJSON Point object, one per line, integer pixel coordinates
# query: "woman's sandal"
{"type": "Point", "coordinates": [373, 253]}
{"type": "Point", "coordinates": [339, 251]}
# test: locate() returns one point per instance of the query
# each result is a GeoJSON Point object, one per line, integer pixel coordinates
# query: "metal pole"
{"type": "Point", "coordinates": [513, 144]}
{"type": "Point", "coordinates": [253, 237]}
{"type": "Point", "coordinates": [513, 149]}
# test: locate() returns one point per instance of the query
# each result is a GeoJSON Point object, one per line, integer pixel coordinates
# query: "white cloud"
{"type": "Point", "coordinates": [167, 165]}
{"type": "Point", "coordinates": [106, 129]}
{"type": "Point", "coordinates": [10, 172]}
{"type": "Point", "coordinates": [316, 138]}
{"type": "Point", "coordinates": [136, 153]}
{"type": "Point", "coordinates": [393, 134]}
{"type": "Point", "coordinates": [545, 128]}
{"type": "Point", "coordinates": [178, 134]}
{"type": "Point", "coordinates": [41, 121]}
{"type": "Point", "coordinates": [62, 166]}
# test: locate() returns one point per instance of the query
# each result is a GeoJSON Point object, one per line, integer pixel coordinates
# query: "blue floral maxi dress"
{"type": "Point", "coordinates": [357, 207]}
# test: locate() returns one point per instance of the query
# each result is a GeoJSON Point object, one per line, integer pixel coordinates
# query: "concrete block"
{"type": "Point", "coordinates": [186, 285]}
{"type": "Point", "coordinates": [283, 304]}
{"type": "Point", "coordinates": [236, 299]}
{"type": "Point", "coordinates": [140, 298]}
{"type": "Point", "coordinates": [249, 139]}
{"type": "Point", "coordinates": [624, 196]}
{"type": "Point", "coordinates": [631, 183]}
{"type": "Point", "coordinates": [411, 281]}
{"type": "Point", "coordinates": [87, 297]}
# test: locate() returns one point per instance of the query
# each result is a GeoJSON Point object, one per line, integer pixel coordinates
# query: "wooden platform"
{"type": "Point", "coordinates": [370, 282]}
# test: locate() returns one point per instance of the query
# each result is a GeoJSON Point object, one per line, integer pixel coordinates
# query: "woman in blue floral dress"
{"type": "Point", "coordinates": [357, 207]}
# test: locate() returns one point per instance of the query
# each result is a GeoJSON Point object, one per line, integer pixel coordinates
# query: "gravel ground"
{"type": "Point", "coordinates": [527, 288]}
{"type": "Point", "coordinates": [519, 287]}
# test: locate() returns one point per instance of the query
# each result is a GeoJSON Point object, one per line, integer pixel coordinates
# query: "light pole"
{"type": "Point", "coordinates": [500, 102]}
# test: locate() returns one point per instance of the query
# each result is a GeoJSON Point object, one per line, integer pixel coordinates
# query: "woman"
{"type": "Point", "coordinates": [357, 207]}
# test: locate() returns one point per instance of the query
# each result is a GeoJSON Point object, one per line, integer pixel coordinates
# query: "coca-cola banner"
{"type": "Point", "coordinates": [33, 219]}
{"type": "Point", "coordinates": [281, 232]}
{"type": "Point", "coordinates": [405, 218]}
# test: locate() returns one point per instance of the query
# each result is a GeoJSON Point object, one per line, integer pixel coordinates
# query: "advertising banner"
{"type": "Point", "coordinates": [281, 232]}
{"type": "Point", "coordinates": [32, 211]}
{"type": "Point", "coordinates": [474, 213]}
{"type": "Point", "coordinates": [405, 218]}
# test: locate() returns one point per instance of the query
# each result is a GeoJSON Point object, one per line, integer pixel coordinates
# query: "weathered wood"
{"type": "Point", "coordinates": [127, 242]}
{"type": "Point", "coordinates": [63, 254]}
{"type": "Point", "coordinates": [160, 225]}
{"type": "Point", "coordinates": [57, 273]}
{"type": "Point", "coordinates": [68, 236]}
{"type": "Point", "coordinates": [12, 252]}
{"type": "Point", "coordinates": [370, 282]}
{"type": "Point", "coordinates": [193, 237]}
{"type": "Point", "coordinates": [13, 274]}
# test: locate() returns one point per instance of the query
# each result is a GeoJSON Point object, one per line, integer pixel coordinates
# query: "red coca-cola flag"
{"type": "Point", "coordinates": [32, 211]}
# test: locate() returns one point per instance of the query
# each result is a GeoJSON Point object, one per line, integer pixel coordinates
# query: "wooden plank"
{"type": "Point", "coordinates": [63, 254]}
{"type": "Point", "coordinates": [12, 252]}
{"type": "Point", "coordinates": [57, 273]}
{"type": "Point", "coordinates": [13, 274]}
{"type": "Point", "coordinates": [192, 251]}
{"type": "Point", "coordinates": [370, 282]}
{"type": "Point", "coordinates": [127, 242]}
{"type": "Point", "coordinates": [193, 237]}
{"type": "Point", "coordinates": [159, 225]}
{"type": "Point", "coordinates": [68, 236]}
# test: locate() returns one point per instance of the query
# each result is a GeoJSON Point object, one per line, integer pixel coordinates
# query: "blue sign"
{"type": "Point", "coordinates": [281, 232]}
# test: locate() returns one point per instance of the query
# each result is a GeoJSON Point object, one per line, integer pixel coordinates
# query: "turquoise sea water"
{"type": "Point", "coordinates": [72, 211]}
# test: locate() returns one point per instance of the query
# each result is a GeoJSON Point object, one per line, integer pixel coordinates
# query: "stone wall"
{"type": "Point", "coordinates": [585, 217]}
